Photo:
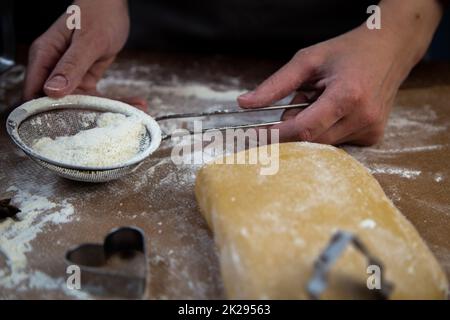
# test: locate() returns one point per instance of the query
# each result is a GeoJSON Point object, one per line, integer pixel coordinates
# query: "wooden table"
{"type": "Point", "coordinates": [412, 164]}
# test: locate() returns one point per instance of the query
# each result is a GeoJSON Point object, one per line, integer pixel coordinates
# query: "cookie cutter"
{"type": "Point", "coordinates": [98, 277]}
{"type": "Point", "coordinates": [335, 248]}
{"type": "Point", "coordinates": [7, 210]}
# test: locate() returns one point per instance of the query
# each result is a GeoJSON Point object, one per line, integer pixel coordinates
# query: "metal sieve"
{"type": "Point", "coordinates": [46, 117]}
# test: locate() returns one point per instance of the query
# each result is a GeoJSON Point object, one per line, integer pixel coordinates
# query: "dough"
{"type": "Point", "coordinates": [270, 228]}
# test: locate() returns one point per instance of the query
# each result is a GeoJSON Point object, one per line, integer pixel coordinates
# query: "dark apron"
{"type": "Point", "coordinates": [240, 26]}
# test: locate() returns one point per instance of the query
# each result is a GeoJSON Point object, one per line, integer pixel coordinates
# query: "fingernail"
{"type": "Point", "coordinates": [246, 95]}
{"type": "Point", "coordinates": [58, 82]}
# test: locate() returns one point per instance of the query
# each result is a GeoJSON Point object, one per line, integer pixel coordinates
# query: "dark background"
{"type": "Point", "coordinates": [257, 27]}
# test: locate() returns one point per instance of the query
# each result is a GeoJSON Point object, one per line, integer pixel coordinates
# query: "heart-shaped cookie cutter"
{"type": "Point", "coordinates": [116, 268]}
{"type": "Point", "coordinates": [335, 248]}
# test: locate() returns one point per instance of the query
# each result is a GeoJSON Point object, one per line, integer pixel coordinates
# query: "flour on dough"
{"type": "Point", "coordinates": [270, 231]}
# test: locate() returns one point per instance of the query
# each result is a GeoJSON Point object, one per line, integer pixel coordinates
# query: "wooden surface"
{"type": "Point", "coordinates": [411, 164]}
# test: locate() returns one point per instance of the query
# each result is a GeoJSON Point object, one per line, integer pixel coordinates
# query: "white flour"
{"type": "Point", "coordinates": [199, 91]}
{"type": "Point", "coordinates": [168, 94]}
{"type": "Point", "coordinates": [115, 139]}
{"type": "Point", "coordinates": [367, 224]}
{"type": "Point", "coordinates": [404, 173]}
{"type": "Point", "coordinates": [438, 177]}
{"type": "Point", "coordinates": [409, 130]}
{"type": "Point", "coordinates": [37, 214]}
{"type": "Point", "coordinates": [41, 281]}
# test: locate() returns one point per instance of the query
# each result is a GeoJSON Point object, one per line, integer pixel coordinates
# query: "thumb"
{"type": "Point", "coordinates": [280, 84]}
{"type": "Point", "coordinates": [70, 70]}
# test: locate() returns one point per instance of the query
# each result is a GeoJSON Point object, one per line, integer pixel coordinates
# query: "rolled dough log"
{"type": "Point", "coordinates": [270, 228]}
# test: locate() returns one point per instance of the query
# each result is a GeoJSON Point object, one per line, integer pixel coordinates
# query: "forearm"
{"type": "Point", "coordinates": [410, 25]}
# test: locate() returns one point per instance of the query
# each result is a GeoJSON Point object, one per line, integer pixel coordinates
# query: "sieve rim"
{"type": "Point", "coordinates": [36, 106]}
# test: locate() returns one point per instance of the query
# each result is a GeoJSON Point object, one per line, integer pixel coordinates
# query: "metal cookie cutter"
{"type": "Point", "coordinates": [339, 241]}
{"type": "Point", "coordinates": [116, 268]}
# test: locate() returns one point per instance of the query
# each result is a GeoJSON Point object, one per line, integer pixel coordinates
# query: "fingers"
{"type": "Point", "coordinates": [288, 130]}
{"type": "Point", "coordinates": [365, 126]}
{"type": "Point", "coordinates": [338, 132]}
{"type": "Point", "coordinates": [355, 128]}
{"type": "Point", "coordinates": [300, 97]}
{"type": "Point", "coordinates": [70, 70]}
{"type": "Point", "coordinates": [315, 120]}
{"type": "Point", "coordinates": [368, 135]}
{"type": "Point", "coordinates": [138, 102]}
{"type": "Point", "coordinates": [94, 74]}
{"type": "Point", "coordinates": [63, 60]}
{"type": "Point", "coordinates": [42, 58]}
{"type": "Point", "coordinates": [89, 85]}
{"type": "Point", "coordinates": [281, 83]}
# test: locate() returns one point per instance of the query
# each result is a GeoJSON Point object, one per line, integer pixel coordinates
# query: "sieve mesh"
{"type": "Point", "coordinates": [88, 175]}
{"type": "Point", "coordinates": [56, 123]}
{"type": "Point", "coordinates": [64, 122]}
{"type": "Point", "coordinates": [38, 119]}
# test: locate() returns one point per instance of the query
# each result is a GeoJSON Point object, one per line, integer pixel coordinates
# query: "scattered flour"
{"type": "Point", "coordinates": [405, 149]}
{"type": "Point", "coordinates": [199, 91]}
{"type": "Point", "coordinates": [438, 177]}
{"type": "Point", "coordinates": [138, 85]}
{"type": "Point", "coordinates": [404, 173]}
{"type": "Point", "coordinates": [368, 224]}
{"type": "Point", "coordinates": [115, 139]}
{"type": "Point", "coordinates": [409, 130]}
{"type": "Point", "coordinates": [37, 213]}
{"type": "Point", "coordinates": [41, 281]}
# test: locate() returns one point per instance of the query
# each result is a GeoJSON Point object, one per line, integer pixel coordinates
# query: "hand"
{"type": "Point", "coordinates": [353, 79]}
{"type": "Point", "coordinates": [63, 61]}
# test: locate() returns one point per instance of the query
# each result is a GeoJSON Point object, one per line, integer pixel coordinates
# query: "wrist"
{"type": "Point", "coordinates": [405, 34]}
{"type": "Point", "coordinates": [410, 28]}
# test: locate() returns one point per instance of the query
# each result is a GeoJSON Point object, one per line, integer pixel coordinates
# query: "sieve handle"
{"type": "Point", "coordinates": [228, 112]}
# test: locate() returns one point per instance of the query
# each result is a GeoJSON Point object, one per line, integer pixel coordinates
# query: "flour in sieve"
{"type": "Point", "coordinates": [115, 140]}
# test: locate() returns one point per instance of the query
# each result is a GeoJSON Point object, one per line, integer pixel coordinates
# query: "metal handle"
{"type": "Point", "coordinates": [228, 112]}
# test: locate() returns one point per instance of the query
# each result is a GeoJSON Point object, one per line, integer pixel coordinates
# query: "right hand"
{"type": "Point", "coordinates": [63, 61]}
